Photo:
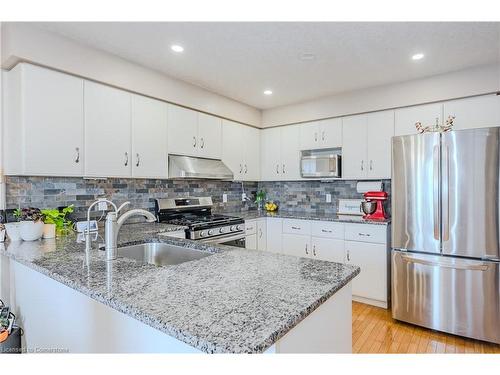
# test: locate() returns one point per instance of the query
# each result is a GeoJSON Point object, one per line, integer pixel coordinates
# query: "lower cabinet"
{"type": "Point", "coordinates": [256, 234]}
{"type": "Point", "coordinates": [331, 250]}
{"type": "Point", "coordinates": [262, 234]}
{"type": "Point", "coordinates": [251, 242]}
{"type": "Point", "coordinates": [274, 234]}
{"type": "Point", "coordinates": [297, 245]}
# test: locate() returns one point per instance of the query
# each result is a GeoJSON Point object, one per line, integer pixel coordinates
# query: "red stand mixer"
{"type": "Point", "coordinates": [373, 205]}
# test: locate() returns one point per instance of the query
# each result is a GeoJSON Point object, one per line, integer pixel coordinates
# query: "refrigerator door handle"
{"type": "Point", "coordinates": [435, 191]}
{"type": "Point", "coordinates": [455, 264]}
{"type": "Point", "coordinates": [446, 193]}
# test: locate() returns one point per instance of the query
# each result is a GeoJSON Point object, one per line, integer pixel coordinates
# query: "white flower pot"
{"type": "Point", "coordinates": [31, 230]}
{"type": "Point", "coordinates": [13, 231]}
{"type": "Point", "coordinates": [49, 231]}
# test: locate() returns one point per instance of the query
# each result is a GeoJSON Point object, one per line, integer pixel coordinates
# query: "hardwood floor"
{"type": "Point", "coordinates": [374, 331]}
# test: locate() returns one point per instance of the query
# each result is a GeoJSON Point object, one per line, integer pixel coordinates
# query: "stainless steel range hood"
{"type": "Point", "coordinates": [190, 167]}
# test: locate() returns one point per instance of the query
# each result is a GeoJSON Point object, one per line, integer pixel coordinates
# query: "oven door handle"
{"type": "Point", "coordinates": [219, 240]}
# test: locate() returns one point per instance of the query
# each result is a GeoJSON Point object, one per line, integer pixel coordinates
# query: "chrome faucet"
{"type": "Point", "coordinates": [114, 223]}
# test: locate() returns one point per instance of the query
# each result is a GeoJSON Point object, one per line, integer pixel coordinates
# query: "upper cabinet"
{"type": "Point", "coordinates": [427, 115]}
{"type": "Point", "coordinates": [366, 145]}
{"type": "Point", "coordinates": [149, 138]}
{"type": "Point", "coordinates": [194, 134]}
{"type": "Point", "coordinates": [240, 150]}
{"type": "Point", "coordinates": [43, 131]}
{"type": "Point", "coordinates": [475, 112]}
{"type": "Point", "coordinates": [107, 131]}
{"type": "Point", "coordinates": [321, 134]}
{"type": "Point", "coordinates": [280, 153]}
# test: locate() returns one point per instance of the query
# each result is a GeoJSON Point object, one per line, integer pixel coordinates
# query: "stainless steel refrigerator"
{"type": "Point", "coordinates": [446, 231]}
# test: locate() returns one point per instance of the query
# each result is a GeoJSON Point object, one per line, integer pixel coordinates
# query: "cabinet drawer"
{"type": "Point", "coordinates": [250, 227]}
{"type": "Point", "coordinates": [327, 229]}
{"type": "Point", "coordinates": [295, 226]}
{"type": "Point", "coordinates": [366, 233]}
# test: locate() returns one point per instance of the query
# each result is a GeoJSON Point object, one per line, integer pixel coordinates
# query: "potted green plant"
{"type": "Point", "coordinates": [31, 227]}
{"type": "Point", "coordinates": [55, 220]}
{"type": "Point", "coordinates": [260, 198]}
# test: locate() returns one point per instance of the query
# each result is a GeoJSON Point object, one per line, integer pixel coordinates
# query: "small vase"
{"type": "Point", "coordinates": [13, 231]}
{"type": "Point", "coordinates": [49, 231]}
{"type": "Point", "coordinates": [31, 230]}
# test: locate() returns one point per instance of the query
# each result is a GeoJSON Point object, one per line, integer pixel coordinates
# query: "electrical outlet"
{"type": "Point", "coordinates": [243, 197]}
{"type": "Point", "coordinates": [224, 198]}
{"type": "Point", "coordinates": [328, 198]}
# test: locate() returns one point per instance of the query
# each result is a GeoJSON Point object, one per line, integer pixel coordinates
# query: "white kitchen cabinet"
{"type": "Point", "coordinates": [149, 138]}
{"type": "Point", "coordinates": [331, 250]}
{"type": "Point", "coordinates": [241, 150]}
{"type": "Point", "coordinates": [182, 131]}
{"type": "Point", "coordinates": [366, 145]}
{"type": "Point", "coordinates": [107, 131]}
{"type": "Point", "coordinates": [321, 134]}
{"type": "Point", "coordinates": [310, 135]}
{"type": "Point", "coordinates": [297, 245]}
{"type": "Point", "coordinates": [280, 155]}
{"type": "Point", "coordinates": [371, 283]}
{"type": "Point", "coordinates": [262, 234]}
{"type": "Point", "coordinates": [427, 114]}
{"type": "Point", "coordinates": [251, 242]}
{"type": "Point", "coordinates": [475, 112]}
{"type": "Point", "coordinates": [43, 128]}
{"type": "Point", "coordinates": [209, 136]}
{"type": "Point", "coordinates": [274, 234]}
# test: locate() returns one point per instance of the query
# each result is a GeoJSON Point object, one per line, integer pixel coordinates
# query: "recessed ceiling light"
{"type": "Point", "coordinates": [268, 92]}
{"type": "Point", "coordinates": [417, 56]}
{"type": "Point", "coordinates": [177, 48]}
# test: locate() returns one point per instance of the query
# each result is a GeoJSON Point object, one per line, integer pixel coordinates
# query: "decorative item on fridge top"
{"type": "Point", "coordinates": [31, 226]}
{"type": "Point", "coordinates": [55, 220]}
{"type": "Point", "coordinates": [436, 128]}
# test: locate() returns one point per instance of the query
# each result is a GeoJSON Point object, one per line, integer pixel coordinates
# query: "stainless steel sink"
{"type": "Point", "coordinates": [161, 254]}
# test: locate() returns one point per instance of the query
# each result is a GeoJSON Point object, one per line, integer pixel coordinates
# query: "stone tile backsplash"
{"type": "Point", "coordinates": [51, 192]}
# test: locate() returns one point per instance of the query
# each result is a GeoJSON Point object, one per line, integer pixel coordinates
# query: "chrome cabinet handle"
{"type": "Point", "coordinates": [194, 141]}
{"type": "Point", "coordinates": [277, 169]}
{"type": "Point", "coordinates": [348, 256]}
{"type": "Point", "coordinates": [126, 158]}
{"type": "Point", "coordinates": [202, 142]}
{"type": "Point", "coordinates": [283, 168]}
{"type": "Point", "coordinates": [138, 160]}
{"type": "Point", "coordinates": [364, 234]}
{"type": "Point", "coordinates": [315, 137]}
{"type": "Point", "coordinates": [371, 165]}
{"type": "Point", "coordinates": [306, 250]}
{"type": "Point", "coordinates": [77, 157]}
{"type": "Point", "coordinates": [246, 169]}
{"type": "Point", "coordinates": [362, 165]}
{"type": "Point", "coordinates": [241, 168]}
{"type": "Point", "coordinates": [314, 250]}
{"type": "Point", "coordinates": [296, 228]}
{"type": "Point", "coordinates": [435, 192]}
{"type": "Point", "coordinates": [326, 231]}
{"type": "Point", "coordinates": [260, 232]}
{"type": "Point", "coordinates": [445, 200]}
{"type": "Point", "coordinates": [323, 135]}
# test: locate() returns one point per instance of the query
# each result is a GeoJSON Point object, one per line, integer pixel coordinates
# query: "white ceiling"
{"type": "Point", "coordinates": [240, 60]}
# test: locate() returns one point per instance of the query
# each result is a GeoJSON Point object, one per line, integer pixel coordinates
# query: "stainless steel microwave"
{"type": "Point", "coordinates": [320, 163]}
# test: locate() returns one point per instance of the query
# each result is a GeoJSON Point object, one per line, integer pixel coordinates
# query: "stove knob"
{"type": "Point", "coordinates": [233, 228]}
{"type": "Point", "coordinates": [210, 232]}
{"type": "Point", "coordinates": [203, 233]}
{"type": "Point", "coordinates": [239, 227]}
{"type": "Point", "coordinates": [222, 230]}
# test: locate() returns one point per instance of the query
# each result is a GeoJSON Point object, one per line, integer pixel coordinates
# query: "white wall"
{"type": "Point", "coordinates": [469, 82]}
{"type": "Point", "coordinates": [22, 42]}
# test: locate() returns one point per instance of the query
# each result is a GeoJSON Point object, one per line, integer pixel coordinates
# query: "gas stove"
{"type": "Point", "coordinates": [196, 214]}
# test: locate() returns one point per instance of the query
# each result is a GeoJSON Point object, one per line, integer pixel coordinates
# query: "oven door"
{"type": "Point", "coordinates": [236, 240]}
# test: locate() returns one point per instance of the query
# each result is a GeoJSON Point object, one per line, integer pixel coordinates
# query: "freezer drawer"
{"type": "Point", "coordinates": [454, 295]}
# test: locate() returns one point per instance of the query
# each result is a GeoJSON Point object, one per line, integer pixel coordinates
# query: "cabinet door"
{"type": "Point", "coordinates": [251, 141]}
{"type": "Point", "coordinates": [262, 234]}
{"type": "Point", "coordinates": [372, 259]}
{"type": "Point", "coordinates": [476, 112]}
{"type": "Point", "coordinates": [107, 131]}
{"type": "Point", "coordinates": [297, 245]}
{"type": "Point", "coordinates": [209, 136]}
{"type": "Point", "coordinates": [331, 133]}
{"type": "Point", "coordinates": [270, 159]}
{"type": "Point", "coordinates": [232, 147]}
{"type": "Point", "coordinates": [331, 250]}
{"type": "Point", "coordinates": [290, 154]}
{"type": "Point", "coordinates": [380, 130]}
{"type": "Point", "coordinates": [53, 122]}
{"type": "Point", "coordinates": [182, 131]}
{"type": "Point", "coordinates": [309, 136]}
{"type": "Point", "coordinates": [354, 147]}
{"type": "Point", "coordinates": [274, 234]}
{"type": "Point", "coordinates": [149, 138]}
{"type": "Point", "coordinates": [251, 242]}
{"type": "Point", "coordinates": [405, 118]}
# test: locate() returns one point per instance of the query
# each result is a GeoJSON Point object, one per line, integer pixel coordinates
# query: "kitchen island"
{"type": "Point", "coordinates": [233, 301]}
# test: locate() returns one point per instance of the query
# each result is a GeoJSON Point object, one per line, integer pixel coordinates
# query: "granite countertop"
{"type": "Point", "coordinates": [234, 301]}
{"type": "Point", "coordinates": [255, 214]}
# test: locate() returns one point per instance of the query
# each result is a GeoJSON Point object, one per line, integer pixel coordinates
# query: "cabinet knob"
{"type": "Point", "coordinates": [283, 169]}
{"type": "Point", "coordinates": [126, 158]}
{"type": "Point", "coordinates": [138, 160]}
{"type": "Point", "coordinates": [315, 137]}
{"type": "Point", "coordinates": [246, 169]}
{"type": "Point", "coordinates": [362, 165]}
{"type": "Point", "coordinates": [241, 168]}
{"type": "Point", "coordinates": [194, 141]}
{"type": "Point", "coordinates": [323, 135]}
{"type": "Point", "coordinates": [277, 169]}
{"type": "Point", "coordinates": [371, 165]}
{"type": "Point", "coordinates": [348, 256]}
{"type": "Point", "coordinates": [202, 142]}
{"type": "Point", "coordinates": [306, 250]}
{"type": "Point", "coordinates": [314, 250]}
{"type": "Point", "coordinates": [77, 157]}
